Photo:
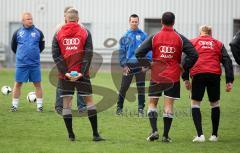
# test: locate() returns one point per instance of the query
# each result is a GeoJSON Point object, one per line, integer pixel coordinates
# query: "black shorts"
{"type": "Point", "coordinates": [209, 81]}
{"type": "Point", "coordinates": [82, 85]}
{"type": "Point", "coordinates": [171, 90]}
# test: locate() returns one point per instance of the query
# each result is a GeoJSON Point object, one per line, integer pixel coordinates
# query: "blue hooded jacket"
{"type": "Point", "coordinates": [27, 43]}
{"type": "Point", "coordinates": [131, 40]}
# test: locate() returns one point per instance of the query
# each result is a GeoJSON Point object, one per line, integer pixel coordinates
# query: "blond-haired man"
{"type": "Point", "coordinates": [27, 43]}
{"type": "Point", "coordinates": [72, 51]}
{"type": "Point", "coordinates": [206, 74]}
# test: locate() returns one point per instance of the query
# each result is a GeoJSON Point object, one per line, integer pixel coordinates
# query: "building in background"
{"type": "Point", "coordinates": [109, 19]}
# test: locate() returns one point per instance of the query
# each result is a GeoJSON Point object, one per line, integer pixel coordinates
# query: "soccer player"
{"type": "Point", "coordinates": [59, 101]}
{"type": "Point", "coordinates": [206, 74]}
{"type": "Point", "coordinates": [72, 51]}
{"type": "Point", "coordinates": [235, 47]}
{"type": "Point", "coordinates": [27, 43]}
{"type": "Point", "coordinates": [128, 44]}
{"type": "Point", "coordinates": [167, 46]}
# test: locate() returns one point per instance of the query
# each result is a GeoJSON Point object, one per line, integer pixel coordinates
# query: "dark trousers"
{"type": "Point", "coordinates": [59, 100]}
{"type": "Point", "coordinates": [140, 82]}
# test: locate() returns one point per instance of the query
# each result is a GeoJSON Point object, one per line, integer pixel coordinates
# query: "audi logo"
{"type": "Point", "coordinates": [167, 49]}
{"type": "Point", "coordinates": [71, 41]}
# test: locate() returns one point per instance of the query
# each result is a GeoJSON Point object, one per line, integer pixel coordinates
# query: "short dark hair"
{"type": "Point", "coordinates": [168, 18]}
{"type": "Point", "coordinates": [133, 16]}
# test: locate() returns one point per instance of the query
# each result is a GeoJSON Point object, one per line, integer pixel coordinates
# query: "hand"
{"type": "Point", "coordinates": [188, 84]}
{"type": "Point", "coordinates": [126, 70]}
{"type": "Point", "coordinates": [145, 69]}
{"type": "Point", "coordinates": [151, 64]}
{"type": "Point", "coordinates": [68, 75]}
{"type": "Point", "coordinates": [73, 78]}
{"type": "Point", "coordinates": [229, 87]}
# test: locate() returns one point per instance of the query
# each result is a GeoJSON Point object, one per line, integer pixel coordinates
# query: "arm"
{"type": "Point", "coordinates": [149, 54]}
{"type": "Point", "coordinates": [57, 57]}
{"type": "Point", "coordinates": [227, 64]}
{"type": "Point", "coordinates": [88, 54]}
{"type": "Point", "coordinates": [235, 47]}
{"type": "Point", "coordinates": [123, 51]}
{"type": "Point", "coordinates": [41, 42]}
{"type": "Point", "coordinates": [14, 42]}
{"type": "Point", "coordinates": [190, 59]}
{"type": "Point", "coordinates": [143, 50]}
{"type": "Point", "coordinates": [185, 74]}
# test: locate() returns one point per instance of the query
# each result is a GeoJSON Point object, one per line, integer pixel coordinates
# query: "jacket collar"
{"type": "Point", "coordinates": [29, 28]}
{"type": "Point", "coordinates": [137, 30]}
{"type": "Point", "coordinates": [168, 28]}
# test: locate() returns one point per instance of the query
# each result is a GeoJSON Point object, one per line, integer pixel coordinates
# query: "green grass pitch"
{"type": "Point", "coordinates": [28, 131]}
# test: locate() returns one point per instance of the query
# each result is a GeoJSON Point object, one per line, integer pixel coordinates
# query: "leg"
{"type": "Point", "coordinates": [67, 116]}
{"type": "Point", "coordinates": [21, 75]}
{"type": "Point", "coordinates": [38, 89]}
{"type": "Point", "coordinates": [66, 94]}
{"type": "Point", "coordinates": [59, 100]}
{"type": "Point", "coordinates": [80, 102]}
{"type": "Point", "coordinates": [213, 90]}
{"type": "Point", "coordinates": [198, 89]}
{"type": "Point", "coordinates": [167, 117]}
{"type": "Point", "coordinates": [171, 95]}
{"type": "Point", "coordinates": [140, 81]}
{"type": "Point", "coordinates": [17, 89]}
{"type": "Point", "coordinates": [152, 110]}
{"type": "Point", "coordinates": [153, 115]}
{"type": "Point", "coordinates": [215, 116]}
{"type": "Point", "coordinates": [197, 117]}
{"type": "Point", "coordinates": [35, 77]}
{"type": "Point", "coordinates": [39, 93]}
{"type": "Point", "coordinates": [126, 81]}
{"type": "Point", "coordinates": [92, 116]}
{"type": "Point", "coordinates": [85, 88]}
{"type": "Point", "coordinates": [16, 95]}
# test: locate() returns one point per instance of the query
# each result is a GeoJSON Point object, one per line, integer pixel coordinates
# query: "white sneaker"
{"type": "Point", "coordinates": [199, 139]}
{"type": "Point", "coordinates": [213, 138]}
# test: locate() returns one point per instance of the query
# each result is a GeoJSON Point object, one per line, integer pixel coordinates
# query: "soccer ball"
{"type": "Point", "coordinates": [31, 97]}
{"type": "Point", "coordinates": [74, 73]}
{"type": "Point", "coordinates": [6, 90]}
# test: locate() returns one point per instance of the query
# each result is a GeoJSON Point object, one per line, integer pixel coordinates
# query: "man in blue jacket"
{"type": "Point", "coordinates": [131, 40]}
{"type": "Point", "coordinates": [27, 43]}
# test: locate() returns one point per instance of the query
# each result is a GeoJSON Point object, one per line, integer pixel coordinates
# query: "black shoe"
{"type": "Point", "coordinates": [119, 111]}
{"type": "Point", "coordinates": [71, 137]}
{"type": "Point", "coordinates": [59, 110]}
{"type": "Point", "coordinates": [140, 112]}
{"type": "Point", "coordinates": [13, 109]}
{"type": "Point", "coordinates": [82, 109]}
{"type": "Point", "coordinates": [166, 139]}
{"type": "Point", "coordinates": [98, 138]}
{"type": "Point", "coordinates": [153, 136]}
{"type": "Point", "coordinates": [40, 109]}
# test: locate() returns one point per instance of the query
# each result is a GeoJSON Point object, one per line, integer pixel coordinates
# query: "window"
{"type": "Point", "coordinates": [152, 26]}
{"type": "Point", "coordinates": [236, 26]}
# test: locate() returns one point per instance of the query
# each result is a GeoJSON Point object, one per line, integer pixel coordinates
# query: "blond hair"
{"type": "Point", "coordinates": [26, 13]}
{"type": "Point", "coordinates": [72, 15]}
{"type": "Point", "coordinates": [205, 29]}
{"type": "Point", "coordinates": [66, 9]}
